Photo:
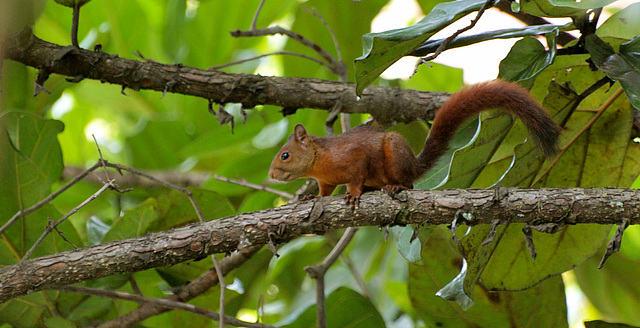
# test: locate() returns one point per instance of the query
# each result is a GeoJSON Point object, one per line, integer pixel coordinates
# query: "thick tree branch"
{"type": "Point", "coordinates": [279, 225]}
{"type": "Point", "coordinates": [386, 104]}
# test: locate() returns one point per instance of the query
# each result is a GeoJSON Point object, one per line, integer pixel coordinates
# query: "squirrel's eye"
{"type": "Point", "coordinates": [284, 156]}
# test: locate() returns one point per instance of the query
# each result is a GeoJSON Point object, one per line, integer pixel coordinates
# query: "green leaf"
{"type": "Point", "coordinates": [96, 229]}
{"type": "Point", "coordinates": [31, 162]}
{"type": "Point", "coordinates": [559, 8]}
{"type": "Point", "coordinates": [527, 58]}
{"type": "Point", "coordinates": [157, 145]}
{"type": "Point", "coordinates": [17, 14]}
{"type": "Point", "coordinates": [614, 290]}
{"type": "Point", "coordinates": [622, 24]}
{"type": "Point", "coordinates": [271, 134]}
{"type": "Point", "coordinates": [381, 50]}
{"type": "Point", "coordinates": [623, 67]}
{"type": "Point", "coordinates": [604, 324]}
{"type": "Point", "coordinates": [345, 308]}
{"type": "Point", "coordinates": [461, 41]}
{"type": "Point", "coordinates": [543, 304]}
{"type": "Point", "coordinates": [528, 160]}
{"type": "Point", "coordinates": [175, 209]}
{"type": "Point", "coordinates": [410, 250]}
{"type": "Point", "coordinates": [35, 161]}
{"type": "Point", "coordinates": [135, 222]}
{"type": "Point", "coordinates": [464, 137]}
{"type": "Point", "coordinates": [469, 161]}
{"type": "Point", "coordinates": [512, 268]}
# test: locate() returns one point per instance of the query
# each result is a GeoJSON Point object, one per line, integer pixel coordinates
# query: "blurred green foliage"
{"type": "Point", "coordinates": [377, 283]}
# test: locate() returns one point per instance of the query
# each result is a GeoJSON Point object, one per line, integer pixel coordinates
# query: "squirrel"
{"type": "Point", "coordinates": [367, 158]}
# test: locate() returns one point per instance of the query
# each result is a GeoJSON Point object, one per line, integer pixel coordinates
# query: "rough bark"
{"type": "Point", "coordinates": [278, 225]}
{"type": "Point", "coordinates": [386, 104]}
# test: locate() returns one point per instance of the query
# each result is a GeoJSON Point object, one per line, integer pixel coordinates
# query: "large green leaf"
{"type": "Point", "coordinates": [543, 304]}
{"type": "Point", "coordinates": [622, 24]}
{"type": "Point", "coordinates": [615, 290]}
{"type": "Point", "coordinates": [558, 8]}
{"type": "Point", "coordinates": [345, 308]}
{"type": "Point", "coordinates": [469, 161]}
{"type": "Point", "coordinates": [623, 67]}
{"type": "Point", "coordinates": [381, 50]}
{"type": "Point", "coordinates": [527, 58]}
{"type": "Point", "coordinates": [30, 162]}
{"type": "Point", "coordinates": [440, 172]}
{"type": "Point", "coordinates": [157, 145]}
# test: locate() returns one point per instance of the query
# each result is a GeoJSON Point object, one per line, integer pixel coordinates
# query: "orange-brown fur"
{"type": "Point", "coordinates": [366, 158]}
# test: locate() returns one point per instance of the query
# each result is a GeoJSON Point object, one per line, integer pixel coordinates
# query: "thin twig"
{"type": "Point", "coordinates": [189, 195]}
{"type": "Point", "coordinates": [75, 21]}
{"type": "Point", "coordinates": [185, 191]}
{"type": "Point", "coordinates": [343, 70]}
{"type": "Point", "coordinates": [56, 223]}
{"type": "Point", "coordinates": [601, 110]}
{"type": "Point", "coordinates": [255, 16]}
{"type": "Point", "coordinates": [247, 184]}
{"type": "Point", "coordinates": [160, 302]}
{"type": "Point", "coordinates": [443, 46]}
{"type": "Point", "coordinates": [186, 292]}
{"type": "Point", "coordinates": [334, 64]}
{"type": "Point", "coordinates": [320, 62]}
{"type": "Point", "coordinates": [61, 234]}
{"type": "Point", "coordinates": [318, 272]}
{"type": "Point", "coordinates": [49, 198]}
{"type": "Point", "coordinates": [585, 94]}
{"type": "Point", "coordinates": [106, 174]}
{"type": "Point", "coordinates": [354, 271]}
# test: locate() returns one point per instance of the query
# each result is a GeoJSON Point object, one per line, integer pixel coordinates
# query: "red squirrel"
{"type": "Point", "coordinates": [367, 158]}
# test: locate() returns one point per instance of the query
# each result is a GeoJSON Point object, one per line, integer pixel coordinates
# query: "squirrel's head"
{"type": "Point", "coordinates": [295, 158]}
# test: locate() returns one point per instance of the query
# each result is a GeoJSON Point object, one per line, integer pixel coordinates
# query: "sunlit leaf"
{"type": "Point", "coordinates": [383, 49]}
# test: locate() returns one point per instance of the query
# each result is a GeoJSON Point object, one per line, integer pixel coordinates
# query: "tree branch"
{"type": "Point", "coordinates": [279, 225]}
{"type": "Point", "coordinates": [184, 293]}
{"type": "Point", "coordinates": [386, 104]}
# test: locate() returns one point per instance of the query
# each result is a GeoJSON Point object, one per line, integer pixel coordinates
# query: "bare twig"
{"type": "Point", "coordinates": [185, 191]}
{"type": "Point", "coordinates": [318, 271]}
{"type": "Point", "coordinates": [106, 173]}
{"type": "Point", "coordinates": [255, 16]}
{"type": "Point", "coordinates": [597, 85]}
{"type": "Point", "coordinates": [75, 20]}
{"type": "Point", "coordinates": [342, 69]}
{"type": "Point", "coordinates": [213, 68]}
{"type": "Point", "coordinates": [161, 302]}
{"type": "Point", "coordinates": [334, 64]}
{"type": "Point", "coordinates": [50, 223]}
{"type": "Point", "coordinates": [183, 179]}
{"type": "Point", "coordinates": [354, 272]}
{"type": "Point", "coordinates": [184, 293]}
{"type": "Point", "coordinates": [247, 184]}
{"type": "Point", "coordinates": [49, 198]}
{"type": "Point", "coordinates": [443, 46]}
{"type": "Point", "coordinates": [56, 223]}
{"type": "Point", "coordinates": [586, 127]}
{"type": "Point", "coordinates": [189, 195]}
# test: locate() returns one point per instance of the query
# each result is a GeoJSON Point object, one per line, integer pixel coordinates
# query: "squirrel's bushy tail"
{"type": "Point", "coordinates": [495, 94]}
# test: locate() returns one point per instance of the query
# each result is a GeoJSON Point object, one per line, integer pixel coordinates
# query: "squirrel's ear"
{"type": "Point", "coordinates": [300, 132]}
